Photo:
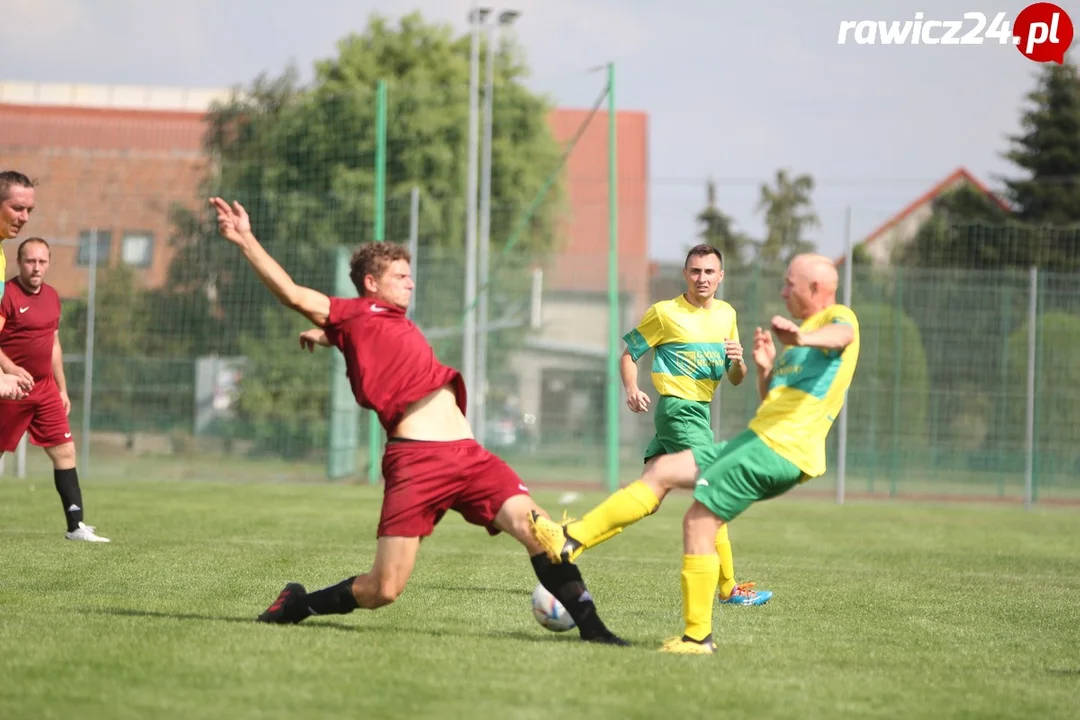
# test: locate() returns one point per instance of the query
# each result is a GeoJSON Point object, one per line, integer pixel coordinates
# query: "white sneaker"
{"type": "Point", "coordinates": [85, 533]}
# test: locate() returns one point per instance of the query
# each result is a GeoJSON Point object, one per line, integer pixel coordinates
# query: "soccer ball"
{"type": "Point", "coordinates": [549, 612]}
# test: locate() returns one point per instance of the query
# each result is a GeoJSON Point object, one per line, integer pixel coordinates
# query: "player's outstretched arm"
{"type": "Point", "coordinates": [235, 226]}
{"type": "Point", "coordinates": [836, 336]}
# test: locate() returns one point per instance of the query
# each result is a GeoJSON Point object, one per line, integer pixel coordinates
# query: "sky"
{"type": "Point", "coordinates": [733, 92]}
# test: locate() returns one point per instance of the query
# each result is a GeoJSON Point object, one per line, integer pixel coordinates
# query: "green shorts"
{"type": "Point", "coordinates": [680, 425]}
{"type": "Point", "coordinates": [733, 475]}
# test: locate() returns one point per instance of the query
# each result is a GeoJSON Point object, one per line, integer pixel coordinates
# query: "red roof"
{"type": "Point", "coordinates": [928, 197]}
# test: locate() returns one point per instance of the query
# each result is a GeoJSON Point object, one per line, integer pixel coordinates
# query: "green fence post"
{"type": "Point", "coordinates": [898, 356]}
{"type": "Point", "coordinates": [374, 429]}
{"type": "Point", "coordinates": [344, 413]}
{"type": "Point", "coordinates": [614, 384]}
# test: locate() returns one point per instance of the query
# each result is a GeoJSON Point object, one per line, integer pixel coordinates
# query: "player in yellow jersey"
{"type": "Point", "coordinates": [16, 204]}
{"type": "Point", "coordinates": [695, 343]}
{"type": "Point", "coordinates": [802, 392]}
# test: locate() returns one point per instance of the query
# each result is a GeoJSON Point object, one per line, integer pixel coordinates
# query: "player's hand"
{"type": "Point", "coordinates": [764, 349]}
{"type": "Point", "coordinates": [13, 387]}
{"type": "Point", "coordinates": [66, 401]}
{"type": "Point", "coordinates": [733, 350]}
{"type": "Point", "coordinates": [786, 331]}
{"type": "Point", "coordinates": [310, 338]}
{"type": "Point", "coordinates": [26, 378]}
{"type": "Point", "coordinates": [233, 221]}
{"type": "Point", "coordinates": [637, 401]}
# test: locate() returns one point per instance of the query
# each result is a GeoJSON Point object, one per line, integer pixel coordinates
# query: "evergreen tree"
{"type": "Point", "coordinates": [717, 230]}
{"type": "Point", "coordinates": [789, 214]}
{"type": "Point", "coordinates": [1048, 150]}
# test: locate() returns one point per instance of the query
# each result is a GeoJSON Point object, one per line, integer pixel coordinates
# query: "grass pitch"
{"type": "Point", "coordinates": [881, 610]}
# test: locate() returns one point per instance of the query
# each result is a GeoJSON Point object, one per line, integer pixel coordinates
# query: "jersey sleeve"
{"type": "Point", "coordinates": [340, 309]}
{"type": "Point", "coordinates": [647, 335]}
{"type": "Point", "coordinates": [7, 305]}
{"type": "Point", "coordinates": [840, 315]}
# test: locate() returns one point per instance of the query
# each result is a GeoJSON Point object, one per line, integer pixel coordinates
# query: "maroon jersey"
{"type": "Point", "coordinates": [388, 360]}
{"type": "Point", "coordinates": [30, 322]}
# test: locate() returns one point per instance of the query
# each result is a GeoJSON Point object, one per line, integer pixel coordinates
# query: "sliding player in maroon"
{"type": "Point", "coordinates": [30, 350]}
{"type": "Point", "coordinates": [432, 463]}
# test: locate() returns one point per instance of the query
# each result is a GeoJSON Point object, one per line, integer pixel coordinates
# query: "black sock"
{"type": "Point", "coordinates": [565, 583]}
{"type": "Point", "coordinates": [67, 484]}
{"type": "Point", "coordinates": [334, 600]}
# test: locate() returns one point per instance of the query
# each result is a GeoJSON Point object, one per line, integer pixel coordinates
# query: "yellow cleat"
{"type": "Point", "coordinates": [681, 646]}
{"type": "Point", "coordinates": [558, 546]}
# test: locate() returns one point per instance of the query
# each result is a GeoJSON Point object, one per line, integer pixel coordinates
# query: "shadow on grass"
{"type": "Point", "coordinates": [324, 624]}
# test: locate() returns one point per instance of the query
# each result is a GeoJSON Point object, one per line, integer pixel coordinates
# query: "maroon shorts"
{"type": "Point", "coordinates": [42, 413]}
{"type": "Point", "coordinates": [425, 479]}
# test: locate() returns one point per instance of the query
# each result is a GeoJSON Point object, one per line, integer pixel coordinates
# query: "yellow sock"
{"type": "Point", "coordinates": [727, 564]}
{"type": "Point", "coordinates": [624, 507]}
{"type": "Point", "coordinates": [700, 574]}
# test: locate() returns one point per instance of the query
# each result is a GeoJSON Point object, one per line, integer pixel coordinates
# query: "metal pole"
{"type": "Point", "coordinates": [20, 456]}
{"type": "Point", "coordinates": [841, 450]}
{"type": "Point", "coordinates": [613, 384]}
{"type": "Point", "coordinates": [374, 429]}
{"type": "Point", "coordinates": [88, 365]}
{"type": "Point", "coordinates": [481, 390]}
{"type": "Point", "coordinates": [414, 241]}
{"type": "Point", "coordinates": [468, 349]}
{"type": "Point", "coordinates": [1033, 314]}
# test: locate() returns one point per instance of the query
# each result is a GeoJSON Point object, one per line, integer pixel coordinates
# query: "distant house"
{"type": "Point", "coordinates": [900, 229]}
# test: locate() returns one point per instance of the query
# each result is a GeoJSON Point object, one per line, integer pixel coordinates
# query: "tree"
{"type": "Point", "coordinates": [716, 230]}
{"type": "Point", "coordinates": [1056, 403]}
{"type": "Point", "coordinates": [131, 390]}
{"type": "Point", "coordinates": [966, 229]}
{"type": "Point", "coordinates": [302, 161]}
{"type": "Point", "coordinates": [789, 214]}
{"type": "Point", "coordinates": [890, 390]}
{"type": "Point", "coordinates": [1048, 150]}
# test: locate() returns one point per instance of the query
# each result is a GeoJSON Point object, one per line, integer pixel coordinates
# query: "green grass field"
{"type": "Point", "coordinates": [881, 610]}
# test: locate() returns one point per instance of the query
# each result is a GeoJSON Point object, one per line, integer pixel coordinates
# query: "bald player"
{"type": "Point", "coordinates": [16, 204]}
{"type": "Point", "coordinates": [802, 392]}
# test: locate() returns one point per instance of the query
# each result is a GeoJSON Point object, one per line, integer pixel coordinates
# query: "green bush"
{"type": "Point", "coordinates": [889, 394]}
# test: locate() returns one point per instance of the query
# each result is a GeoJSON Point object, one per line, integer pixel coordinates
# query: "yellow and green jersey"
{"type": "Point", "coordinates": [3, 270]}
{"type": "Point", "coordinates": [807, 390]}
{"type": "Point", "coordinates": [688, 346]}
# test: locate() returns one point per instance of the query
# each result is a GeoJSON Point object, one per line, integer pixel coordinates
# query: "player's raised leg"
{"type": "Point", "coordinates": [395, 558]}
{"type": "Point", "coordinates": [564, 543]}
{"type": "Point", "coordinates": [564, 580]}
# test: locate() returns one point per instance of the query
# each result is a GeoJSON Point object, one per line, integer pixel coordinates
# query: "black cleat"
{"type": "Point", "coordinates": [289, 608]}
{"type": "Point", "coordinates": [608, 639]}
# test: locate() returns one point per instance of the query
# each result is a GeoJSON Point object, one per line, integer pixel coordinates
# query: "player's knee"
{"type": "Point", "coordinates": [670, 472]}
{"type": "Point", "coordinates": [63, 456]}
{"type": "Point", "coordinates": [387, 591]}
